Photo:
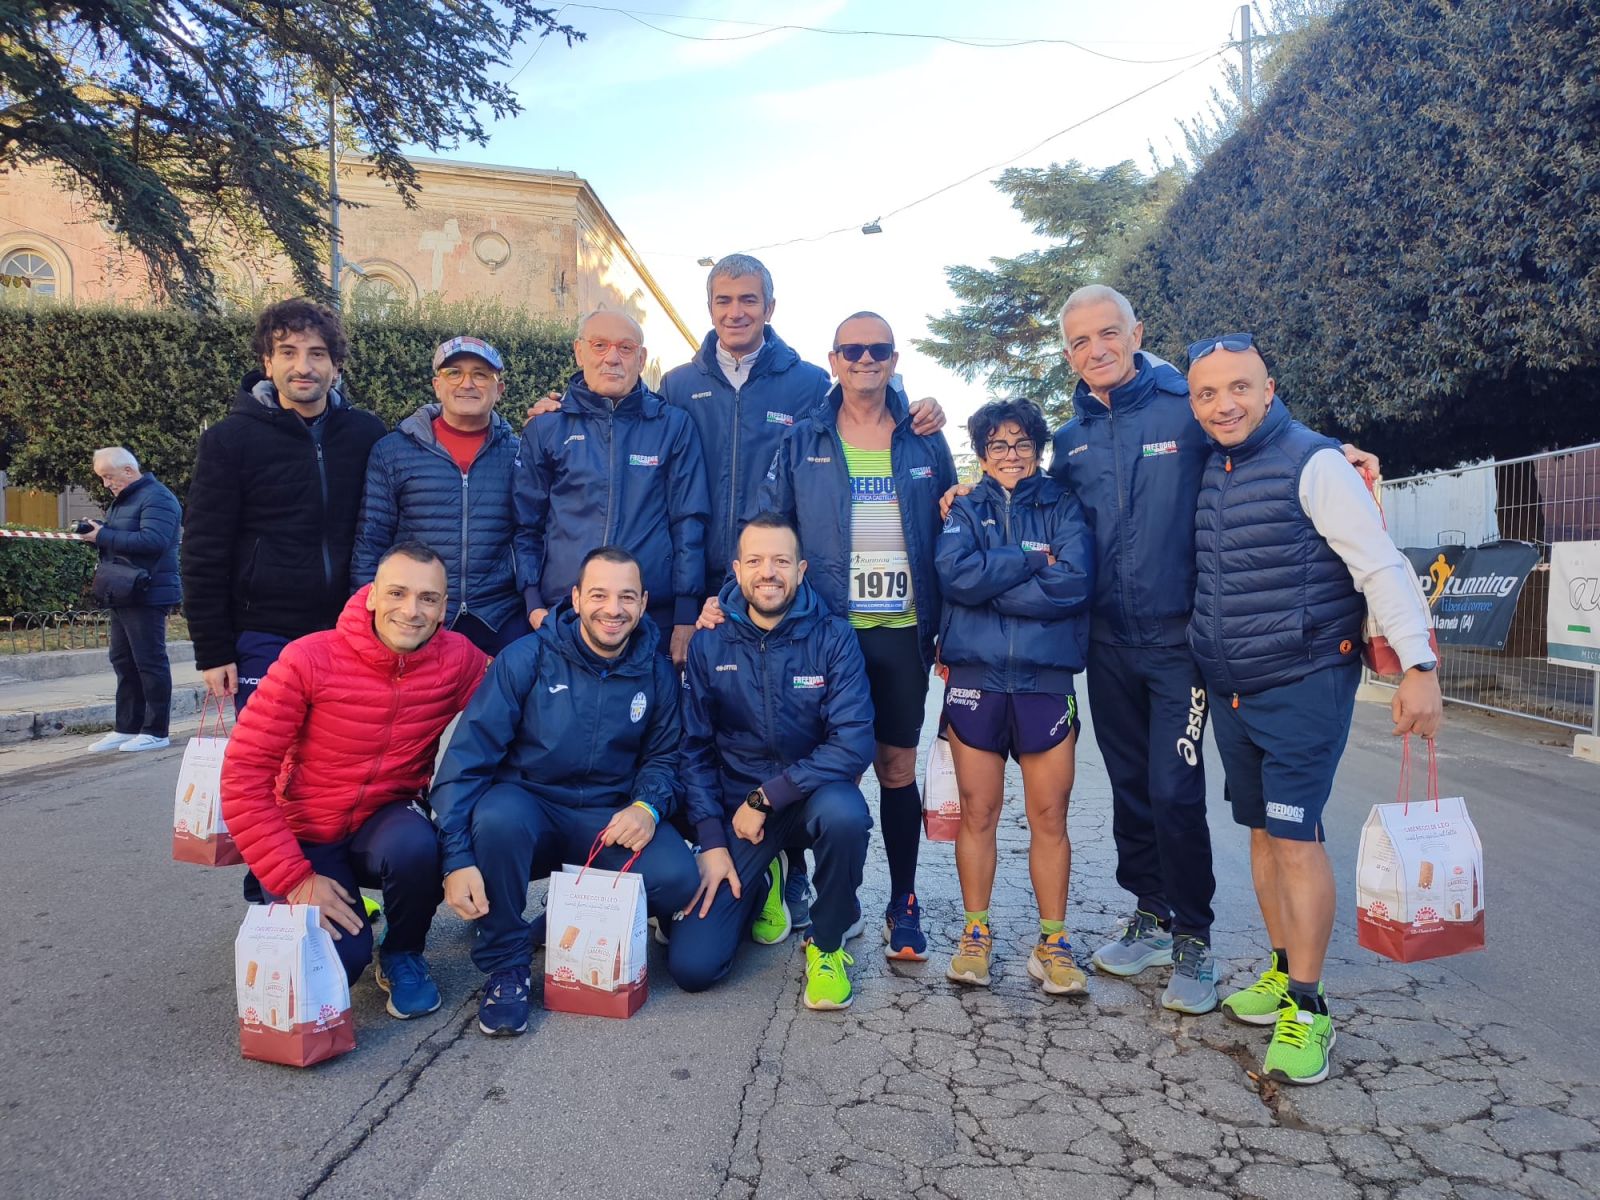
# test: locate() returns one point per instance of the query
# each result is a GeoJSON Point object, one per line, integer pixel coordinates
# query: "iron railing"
{"type": "Point", "coordinates": [62, 629]}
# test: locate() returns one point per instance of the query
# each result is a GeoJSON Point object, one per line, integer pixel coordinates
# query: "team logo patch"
{"type": "Point", "coordinates": [700, 395]}
{"type": "Point", "coordinates": [1286, 812]}
{"type": "Point", "coordinates": [1042, 546]}
{"type": "Point", "coordinates": [727, 666]}
{"type": "Point", "coordinates": [576, 437]}
{"type": "Point", "coordinates": [922, 472]}
{"type": "Point", "coordinates": [951, 526]}
{"type": "Point", "coordinates": [1077, 449]}
{"type": "Point", "coordinates": [644, 460]}
{"type": "Point", "coordinates": [810, 681]}
{"type": "Point", "coordinates": [778, 418]}
{"type": "Point", "coordinates": [636, 709]}
{"type": "Point", "coordinates": [1151, 449]}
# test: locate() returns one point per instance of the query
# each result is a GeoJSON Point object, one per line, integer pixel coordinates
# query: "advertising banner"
{"type": "Point", "coordinates": [1573, 614]}
{"type": "Point", "coordinates": [1472, 593]}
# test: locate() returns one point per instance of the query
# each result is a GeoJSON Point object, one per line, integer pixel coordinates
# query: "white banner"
{"type": "Point", "coordinates": [1573, 615]}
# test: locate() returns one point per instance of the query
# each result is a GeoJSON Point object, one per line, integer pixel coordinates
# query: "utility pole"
{"type": "Point", "coordinates": [335, 265]}
{"type": "Point", "coordinates": [1247, 76]}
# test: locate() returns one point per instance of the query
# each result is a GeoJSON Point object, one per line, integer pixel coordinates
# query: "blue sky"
{"type": "Point", "coordinates": [708, 147]}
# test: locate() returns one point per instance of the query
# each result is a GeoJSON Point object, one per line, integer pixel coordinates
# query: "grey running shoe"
{"type": "Point", "coordinates": [1193, 987]}
{"type": "Point", "coordinates": [797, 891]}
{"type": "Point", "coordinates": [856, 926]}
{"type": "Point", "coordinates": [1143, 944]}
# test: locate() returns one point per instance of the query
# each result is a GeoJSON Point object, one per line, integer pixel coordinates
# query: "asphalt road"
{"type": "Point", "coordinates": [123, 1076]}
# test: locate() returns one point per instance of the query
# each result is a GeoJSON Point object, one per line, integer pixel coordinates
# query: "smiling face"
{"type": "Point", "coordinates": [739, 313]}
{"type": "Point", "coordinates": [866, 376]}
{"type": "Point", "coordinates": [1100, 344]}
{"type": "Point", "coordinates": [610, 599]}
{"type": "Point", "coordinates": [406, 602]}
{"type": "Point", "coordinates": [610, 353]}
{"type": "Point", "coordinates": [769, 570]}
{"type": "Point", "coordinates": [301, 368]}
{"type": "Point", "coordinates": [467, 388]}
{"type": "Point", "coordinates": [1230, 393]}
{"type": "Point", "coordinates": [1010, 455]}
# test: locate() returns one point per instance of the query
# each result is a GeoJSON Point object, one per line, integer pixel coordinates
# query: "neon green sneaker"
{"type": "Point", "coordinates": [772, 922]}
{"type": "Point", "coordinates": [1052, 965]}
{"type": "Point", "coordinates": [374, 909]}
{"type": "Point", "coordinates": [970, 963]}
{"type": "Point", "coordinates": [1300, 1044]}
{"type": "Point", "coordinates": [827, 984]}
{"type": "Point", "coordinates": [1263, 1000]}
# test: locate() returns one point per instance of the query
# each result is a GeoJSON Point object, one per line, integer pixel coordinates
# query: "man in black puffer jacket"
{"type": "Point", "coordinates": [272, 508]}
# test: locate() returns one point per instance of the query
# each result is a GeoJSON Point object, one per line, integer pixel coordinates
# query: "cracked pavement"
{"type": "Point", "coordinates": [1467, 1077]}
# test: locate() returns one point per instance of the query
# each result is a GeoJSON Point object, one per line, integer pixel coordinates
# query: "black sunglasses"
{"type": "Point", "coordinates": [1228, 341]}
{"type": "Point", "coordinates": [853, 351]}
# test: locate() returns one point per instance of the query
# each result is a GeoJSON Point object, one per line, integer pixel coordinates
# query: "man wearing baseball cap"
{"type": "Point", "coordinates": [443, 478]}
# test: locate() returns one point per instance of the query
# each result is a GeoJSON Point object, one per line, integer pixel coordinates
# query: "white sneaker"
{"type": "Point", "coordinates": [143, 742]}
{"type": "Point", "coordinates": [111, 741]}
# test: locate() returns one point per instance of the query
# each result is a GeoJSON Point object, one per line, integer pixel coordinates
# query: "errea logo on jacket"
{"type": "Point", "coordinates": [644, 460]}
{"type": "Point", "coordinates": [810, 681]}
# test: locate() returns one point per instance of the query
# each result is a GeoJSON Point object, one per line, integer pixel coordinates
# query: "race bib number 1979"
{"type": "Point", "coordinates": [880, 582]}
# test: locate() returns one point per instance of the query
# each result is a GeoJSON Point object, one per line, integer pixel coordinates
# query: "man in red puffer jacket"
{"type": "Point", "coordinates": [322, 777]}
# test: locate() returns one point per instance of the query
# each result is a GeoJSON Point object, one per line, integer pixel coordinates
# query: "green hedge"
{"type": "Point", "coordinates": [75, 379]}
{"type": "Point", "coordinates": [41, 576]}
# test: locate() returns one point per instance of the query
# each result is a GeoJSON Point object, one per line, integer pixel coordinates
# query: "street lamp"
{"type": "Point", "coordinates": [872, 226]}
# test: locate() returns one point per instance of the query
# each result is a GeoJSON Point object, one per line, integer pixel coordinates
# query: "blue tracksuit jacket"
{"type": "Point", "coordinates": [573, 728]}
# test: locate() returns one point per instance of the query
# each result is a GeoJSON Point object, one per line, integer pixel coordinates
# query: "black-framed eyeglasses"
{"type": "Point", "coordinates": [1228, 341]}
{"type": "Point", "coordinates": [853, 351]}
{"type": "Point", "coordinates": [998, 449]}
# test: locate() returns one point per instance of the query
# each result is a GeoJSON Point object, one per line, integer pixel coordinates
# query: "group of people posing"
{"type": "Point", "coordinates": [679, 627]}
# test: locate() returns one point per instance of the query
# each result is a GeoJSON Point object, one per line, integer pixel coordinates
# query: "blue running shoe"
{"type": "Point", "coordinates": [412, 992]}
{"type": "Point", "coordinates": [503, 1011]}
{"type": "Point", "coordinates": [797, 893]}
{"type": "Point", "coordinates": [902, 930]}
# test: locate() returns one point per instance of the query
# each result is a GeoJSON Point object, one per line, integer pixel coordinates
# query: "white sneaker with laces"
{"type": "Point", "coordinates": [143, 741]}
{"type": "Point", "coordinates": [111, 741]}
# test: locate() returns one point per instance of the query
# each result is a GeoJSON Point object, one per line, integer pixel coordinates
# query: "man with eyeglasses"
{"type": "Point", "coordinates": [443, 478]}
{"type": "Point", "coordinates": [615, 465]}
{"type": "Point", "coordinates": [862, 488]}
{"type": "Point", "coordinates": [1290, 552]}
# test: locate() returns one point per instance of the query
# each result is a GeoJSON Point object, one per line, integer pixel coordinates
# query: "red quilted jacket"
{"type": "Point", "coordinates": [340, 727]}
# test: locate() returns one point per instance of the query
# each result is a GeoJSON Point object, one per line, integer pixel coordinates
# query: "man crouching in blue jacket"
{"type": "Point", "coordinates": [777, 730]}
{"type": "Point", "coordinates": [572, 736]}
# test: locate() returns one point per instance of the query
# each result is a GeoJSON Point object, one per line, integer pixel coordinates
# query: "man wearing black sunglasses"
{"type": "Point", "coordinates": [1290, 552]}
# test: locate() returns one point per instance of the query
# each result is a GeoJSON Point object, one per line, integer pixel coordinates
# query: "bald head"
{"type": "Point", "coordinates": [610, 352]}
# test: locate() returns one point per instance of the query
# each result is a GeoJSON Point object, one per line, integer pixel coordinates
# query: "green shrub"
{"type": "Point", "coordinates": [75, 379]}
{"type": "Point", "coordinates": [44, 576]}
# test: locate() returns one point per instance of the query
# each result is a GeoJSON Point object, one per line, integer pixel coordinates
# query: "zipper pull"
{"type": "Point", "coordinates": [1236, 700]}
{"type": "Point", "coordinates": [1227, 466]}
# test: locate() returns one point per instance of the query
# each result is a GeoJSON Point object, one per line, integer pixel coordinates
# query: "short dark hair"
{"type": "Point", "coordinates": [856, 316]}
{"type": "Point", "coordinates": [610, 554]}
{"type": "Point", "coordinates": [771, 520]}
{"type": "Point", "coordinates": [298, 316]}
{"type": "Point", "coordinates": [1028, 416]}
{"type": "Point", "coordinates": [737, 266]}
{"type": "Point", "coordinates": [414, 550]}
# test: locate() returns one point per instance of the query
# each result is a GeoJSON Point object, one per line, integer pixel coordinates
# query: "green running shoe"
{"type": "Point", "coordinates": [773, 923]}
{"type": "Point", "coordinates": [1263, 1000]}
{"type": "Point", "coordinates": [970, 963]}
{"type": "Point", "coordinates": [374, 909]}
{"type": "Point", "coordinates": [1300, 1044]}
{"type": "Point", "coordinates": [827, 984]}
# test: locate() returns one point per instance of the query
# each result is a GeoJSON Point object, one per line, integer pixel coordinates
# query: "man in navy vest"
{"type": "Point", "coordinates": [1290, 552]}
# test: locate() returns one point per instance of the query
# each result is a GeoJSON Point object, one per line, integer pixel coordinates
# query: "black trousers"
{"type": "Point", "coordinates": [144, 677]}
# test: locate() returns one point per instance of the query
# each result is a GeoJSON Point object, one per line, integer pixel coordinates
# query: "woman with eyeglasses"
{"type": "Point", "coordinates": [1016, 567]}
{"type": "Point", "coordinates": [863, 490]}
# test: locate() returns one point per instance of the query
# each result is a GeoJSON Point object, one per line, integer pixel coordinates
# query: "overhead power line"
{"type": "Point", "coordinates": [1078, 124]}
{"type": "Point", "coordinates": [761, 29]}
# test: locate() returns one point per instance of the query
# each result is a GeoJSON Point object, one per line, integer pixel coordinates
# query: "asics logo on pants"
{"type": "Point", "coordinates": [1189, 743]}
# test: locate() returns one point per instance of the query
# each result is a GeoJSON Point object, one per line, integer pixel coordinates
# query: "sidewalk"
{"type": "Point", "coordinates": [74, 691]}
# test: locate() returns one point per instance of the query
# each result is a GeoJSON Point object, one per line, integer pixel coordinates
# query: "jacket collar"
{"type": "Point", "coordinates": [797, 622]}
{"type": "Point", "coordinates": [355, 626]}
{"type": "Point", "coordinates": [258, 396]}
{"type": "Point", "coordinates": [580, 400]}
{"type": "Point", "coordinates": [419, 425]}
{"type": "Point", "coordinates": [564, 633]}
{"type": "Point", "coordinates": [1271, 428]}
{"type": "Point", "coordinates": [1037, 489]}
{"type": "Point", "coordinates": [827, 413]}
{"type": "Point", "coordinates": [132, 487]}
{"type": "Point", "coordinates": [775, 356]}
{"type": "Point", "coordinates": [1151, 375]}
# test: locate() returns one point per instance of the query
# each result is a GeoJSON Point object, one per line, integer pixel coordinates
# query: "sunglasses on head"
{"type": "Point", "coordinates": [853, 351]}
{"type": "Point", "coordinates": [1228, 341]}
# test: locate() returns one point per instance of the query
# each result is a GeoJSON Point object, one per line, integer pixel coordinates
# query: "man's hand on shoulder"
{"type": "Point", "coordinates": [537, 616]}
{"type": "Point", "coordinates": [549, 403]}
{"type": "Point", "coordinates": [464, 893]}
{"type": "Point", "coordinates": [926, 417]}
{"type": "Point", "coordinates": [948, 500]}
{"type": "Point", "coordinates": [335, 903]}
{"type": "Point", "coordinates": [711, 614]}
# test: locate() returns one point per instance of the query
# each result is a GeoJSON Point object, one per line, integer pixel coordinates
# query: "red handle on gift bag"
{"type": "Point", "coordinates": [594, 852]}
{"type": "Point", "coordinates": [221, 724]}
{"type": "Point", "coordinates": [1404, 796]}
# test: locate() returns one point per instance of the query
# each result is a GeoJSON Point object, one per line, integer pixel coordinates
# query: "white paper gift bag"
{"type": "Point", "coordinates": [594, 955]}
{"type": "Point", "coordinates": [199, 834]}
{"type": "Point", "coordinates": [941, 798]}
{"type": "Point", "coordinates": [293, 995]}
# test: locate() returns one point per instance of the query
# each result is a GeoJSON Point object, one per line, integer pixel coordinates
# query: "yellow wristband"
{"type": "Point", "coordinates": [649, 808]}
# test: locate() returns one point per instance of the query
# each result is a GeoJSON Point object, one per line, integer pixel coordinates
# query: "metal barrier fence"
{"type": "Point", "coordinates": [68, 629]}
{"type": "Point", "coordinates": [1543, 498]}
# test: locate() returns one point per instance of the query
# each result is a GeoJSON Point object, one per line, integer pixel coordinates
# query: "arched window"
{"type": "Point", "coordinates": [379, 289]}
{"type": "Point", "coordinates": [27, 274]}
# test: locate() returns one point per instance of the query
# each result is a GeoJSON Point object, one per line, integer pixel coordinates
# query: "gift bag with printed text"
{"type": "Point", "coordinates": [294, 997]}
{"type": "Point", "coordinates": [594, 955]}
{"type": "Point", "coordinates": [1419, 874]}
{"type": "Point", "coordinates": [199, 834]}
{"type": "Point", "coordinates": [941, 799]}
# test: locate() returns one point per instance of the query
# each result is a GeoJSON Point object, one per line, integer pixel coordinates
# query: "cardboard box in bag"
{"type": "Point", "coordinates": [941, 798]}
{"type": "Point", "coordinates": [199, 834]}
{"type": "Point", "coordinates": [293, 995]}
{"type": "Point", "coordinates": [1419, 881]}
{"type": "Point", "coordinates": [594, 962]}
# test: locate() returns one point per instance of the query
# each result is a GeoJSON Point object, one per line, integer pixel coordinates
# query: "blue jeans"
{"type": "Point", "coordinates": [517, 837]}
{"type": "Point", "coordinates": [835, 822]}
{"type": "Point", "coordinates": [144, 677]}
{"type": "Point", "coordinates": [396, 850]}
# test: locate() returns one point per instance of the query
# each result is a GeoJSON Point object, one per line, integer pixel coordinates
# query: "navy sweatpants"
{"type": "Point", "coordinates": [1149, 710]}
{"type": "Point", "coordinates": [834, 822]}
{"type": "Point", "coordinates": [396, 850]}
{"type": "Point", "coordinates": [517, 837]}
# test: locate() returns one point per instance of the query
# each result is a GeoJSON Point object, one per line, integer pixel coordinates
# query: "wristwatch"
{"type": "Point", "coordinates": [758, 801]}
{"type": "Point", "coordinates": [1425, 666]}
